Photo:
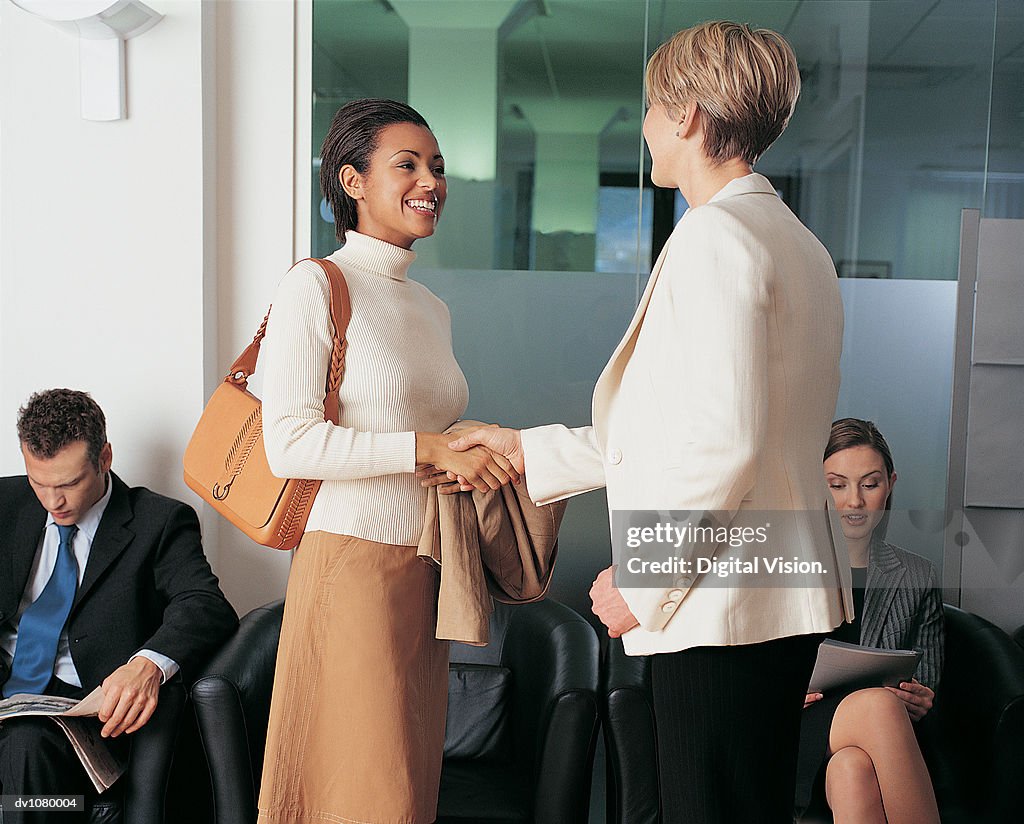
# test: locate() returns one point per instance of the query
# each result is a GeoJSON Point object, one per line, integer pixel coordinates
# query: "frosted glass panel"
{"type": "Point", "coordinates": [897, 371]}
{"type": "Point", "coordinates": [532, 345]}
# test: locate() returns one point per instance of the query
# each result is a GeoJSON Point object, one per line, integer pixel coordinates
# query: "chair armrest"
{"type": "Point", "coordinates": [249, 656]}
{"type": "Point", "coordinates": [149, 765]}
{"type": "Point", "coordinates": [631, 747]}
{"type": "Point", "coordinates": [1008, 763]}
{"type": "Point", "coordinates": [553, 655]}
{"type": "Point", "coordinates": [232, 705]}
{"type": "Point", "coordinates": [225, 737]}
{"type": "Point", "coordinates": [631, 750]}
{"type": "Point", "coordinates": [566, 764]}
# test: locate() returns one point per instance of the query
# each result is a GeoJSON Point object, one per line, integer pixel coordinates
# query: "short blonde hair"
{"type": "Point", "coordinates": [744, 81]}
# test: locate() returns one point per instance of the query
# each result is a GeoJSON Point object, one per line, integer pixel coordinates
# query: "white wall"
{"type": "Point", "coordinates": [263, 116]}
{"type": "Point", "coordinates": [137, 257]}
{"type": "Point", "coordinates": [101, 265]}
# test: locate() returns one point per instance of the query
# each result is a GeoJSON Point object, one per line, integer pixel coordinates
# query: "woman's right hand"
{"type": "Point", "coordinates": [480, 468]}
{"type": "Point", "coordinates": [812, 698]}
{"type": "Point", "coordinates": [916, 696]}
{"type": "Point", "coordinates": [499, 439]}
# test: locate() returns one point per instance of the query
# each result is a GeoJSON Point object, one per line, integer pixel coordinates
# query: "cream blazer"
{"type": "Point", "coordinates": [719, 398]}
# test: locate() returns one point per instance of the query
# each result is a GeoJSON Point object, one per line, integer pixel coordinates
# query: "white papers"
{"type": "Point", "coordinates": [75, 718]}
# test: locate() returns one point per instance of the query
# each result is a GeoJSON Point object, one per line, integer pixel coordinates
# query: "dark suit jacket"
{"type": "Point", "coordinates": [903, 608]}
{"type": "Point", "coordinates": [147, 584]}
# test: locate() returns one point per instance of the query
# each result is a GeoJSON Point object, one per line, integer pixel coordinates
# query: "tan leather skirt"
{"type": "Point", "coordinates": [357, 717]}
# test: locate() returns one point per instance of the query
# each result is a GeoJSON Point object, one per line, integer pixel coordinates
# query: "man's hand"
{"type": "Point", "coordinates": [610, 606]}
{"type": "Point", "coordinates": [130, 695]}
{"type": "Point", "coordinates": [916, 696]}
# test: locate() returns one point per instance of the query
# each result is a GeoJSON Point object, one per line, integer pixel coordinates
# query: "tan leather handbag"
{"type": "Point", "coordinates": [225, 461]}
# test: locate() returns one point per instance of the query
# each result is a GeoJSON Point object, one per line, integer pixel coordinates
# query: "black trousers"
{"type": "Point", "coordinates": [728, 725]}
{"type": "Point", "coordinates": [36, 758]}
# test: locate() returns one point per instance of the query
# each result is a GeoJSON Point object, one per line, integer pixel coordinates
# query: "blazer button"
{"type": "Point", "coordinates": [683, 581]}
{"type": "Point", "coordinates": [676, 595]}
{"type": "Point", "coordinates": [614, 456]}
{"type": "Point", "coordinates": [670, 607]}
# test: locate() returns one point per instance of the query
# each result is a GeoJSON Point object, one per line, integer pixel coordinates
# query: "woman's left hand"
{"type": "Point", "coordinates": [610, 606]}
{"type": "Point", "coordinates": [430, 475]}
{"type": "Point", "coordinates": [916, 696]}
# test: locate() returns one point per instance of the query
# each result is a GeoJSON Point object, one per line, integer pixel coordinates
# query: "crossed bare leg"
{"type": "Point", "coordinates": [876, 772]}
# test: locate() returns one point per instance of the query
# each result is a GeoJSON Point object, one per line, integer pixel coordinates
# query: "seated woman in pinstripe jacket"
{"type": "Point", "coordinates": [864, 741]}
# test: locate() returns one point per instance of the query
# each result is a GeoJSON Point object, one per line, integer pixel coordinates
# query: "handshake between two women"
{"type": "Point", "coordinates": [467, 458]}
{"type": "Point", "coordinates": [493, 456]}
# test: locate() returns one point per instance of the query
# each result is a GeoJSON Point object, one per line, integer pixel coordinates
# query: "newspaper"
{"type": "Point", "coordinates": [850, 666]}
{"type": "Point", "coordinates": [76, 718]}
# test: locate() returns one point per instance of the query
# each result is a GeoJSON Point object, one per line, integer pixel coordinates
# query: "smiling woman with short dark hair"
{"type": "Point", "coordinates": [356, 727]}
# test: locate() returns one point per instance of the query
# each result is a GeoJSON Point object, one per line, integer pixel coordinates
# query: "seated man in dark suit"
{"type": "Point", "coordinates": [100, 584]}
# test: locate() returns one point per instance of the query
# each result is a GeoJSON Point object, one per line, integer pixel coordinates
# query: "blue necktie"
{"type": "Point", "coordinates": [41, 624]}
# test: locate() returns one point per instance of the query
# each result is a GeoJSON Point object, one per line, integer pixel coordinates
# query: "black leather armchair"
{"type": "Point", "coordinates": [974, 742]}
{"type": "Point", "coordinates": [977, 757]}
{"type": "Point", "coordinates": [139, 796]}
{"type": "Point", "coordinates": [523, 717]}
{"type": "Point", "coordinates": [545, 775]}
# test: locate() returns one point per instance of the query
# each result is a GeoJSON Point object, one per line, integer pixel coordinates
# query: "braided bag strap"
{"type": "Point", "coordinates": [341, 313]}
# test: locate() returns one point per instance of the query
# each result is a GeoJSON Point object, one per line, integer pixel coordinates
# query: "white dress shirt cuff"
{"type": "Point", "coordinates": [168, 667]}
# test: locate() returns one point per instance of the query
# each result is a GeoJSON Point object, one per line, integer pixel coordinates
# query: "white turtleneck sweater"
{"type": "Point", "coordinates": [400, 377]}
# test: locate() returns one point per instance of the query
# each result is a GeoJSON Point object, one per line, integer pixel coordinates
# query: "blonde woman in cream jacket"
{"type": "Point", "coordinates": [718, 400]}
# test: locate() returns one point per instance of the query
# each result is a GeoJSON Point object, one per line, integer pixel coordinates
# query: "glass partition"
{"type": "Point", "coordinates": [911, 110]}
{"type": "Point", "coordinates": [1004, 178]}
{"type": "Point", "coordinates": [536, 106]}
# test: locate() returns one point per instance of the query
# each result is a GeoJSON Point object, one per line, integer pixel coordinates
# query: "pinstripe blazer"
{"type": "Point", "coordinates": [903, 608]}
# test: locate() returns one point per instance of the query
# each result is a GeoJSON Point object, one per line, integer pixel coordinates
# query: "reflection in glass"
{"type": "Point", "coordinates": [534, 103]}
{"type": "Point", "coordinates": [1004, 179]}
{"type": "Point", "coordinates": [619, 224]}
{"type": "Point", "coordinates": [531, 103]}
